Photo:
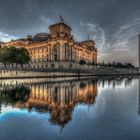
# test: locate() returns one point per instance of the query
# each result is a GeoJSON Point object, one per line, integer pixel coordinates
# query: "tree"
{"type": "Point", "coordinates": [11, 55]}
{"type": "Point", "coordinates": [4, 55]}
{"type": "Point", "coordinates": [22, 56]}
{"type": "Point", "coordinates": [129, 65]}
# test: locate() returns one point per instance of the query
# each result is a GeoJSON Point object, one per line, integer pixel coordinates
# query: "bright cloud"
{"type": "Point", "coordinates": [5, 37]}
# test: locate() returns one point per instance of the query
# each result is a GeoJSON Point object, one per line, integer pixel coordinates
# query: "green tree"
{"type": "Point", "coordinates": [11, 55]}
{"type": "Point", "coordinates": [4, 55]}
{"type": "Point", "coordinates": [22, 56]}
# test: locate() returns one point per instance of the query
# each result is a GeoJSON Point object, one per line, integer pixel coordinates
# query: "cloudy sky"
{"type": "Point", "coordinates": [113, 24]}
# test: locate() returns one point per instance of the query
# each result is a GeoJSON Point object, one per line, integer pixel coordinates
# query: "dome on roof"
{"type": "Point", "coordinates": [41, 37]}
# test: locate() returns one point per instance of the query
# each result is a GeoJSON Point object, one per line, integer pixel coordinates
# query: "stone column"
{"type": "Point", "coordinates": [74, 54]}
{"type": "Point", "coordinates": [62, 52]}
{"type": "Point", "coordinates": [52, 53]}
{"type": "Point", "coordinates": [66, 53]}
{"type": "Point", "coordinates": [60, 48]}
{"type": "Point", "coordinates": [58, 52]}
{"type": "Point", "coordinates": [95, 58]}
{"type": "Point", "coordinates": [49, 53]}
{"type": "Point", "coordinates": [71, 53]}
{"type": "Point", "coordinates": [83, 57]}
{"type": "Point", "coordinates": [79, 55]}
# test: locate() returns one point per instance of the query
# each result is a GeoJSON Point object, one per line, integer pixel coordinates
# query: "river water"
{"type": "Point", "coordinates": [104, 108]}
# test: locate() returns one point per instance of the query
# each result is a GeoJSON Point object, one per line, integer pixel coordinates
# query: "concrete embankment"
{"type": "Point", "coordinates": [53, 73]}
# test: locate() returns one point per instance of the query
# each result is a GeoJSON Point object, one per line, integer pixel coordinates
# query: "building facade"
{"type": "Point", "coordinates": [58, 49]}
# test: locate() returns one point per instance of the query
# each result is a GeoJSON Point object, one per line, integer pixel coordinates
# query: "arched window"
{"type": "Point", "coordinates": [55, 49]}
{"type": "Point", "coordinates": [55, 57]}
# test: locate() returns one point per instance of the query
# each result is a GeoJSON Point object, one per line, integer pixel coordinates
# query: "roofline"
{"type": "Point", "coordinates": [60, 23]}
{"type": "Point", "coordinates": [88, 41]}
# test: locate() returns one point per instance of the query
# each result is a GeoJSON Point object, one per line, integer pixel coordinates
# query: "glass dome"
{"type": "Point", "coordinates": [40, 37]}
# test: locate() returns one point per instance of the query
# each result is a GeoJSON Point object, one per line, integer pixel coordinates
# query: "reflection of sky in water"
{"type": "Point", "coordinates": [114, 115]}
{"type": "Point", "coordinates": [8, 111]}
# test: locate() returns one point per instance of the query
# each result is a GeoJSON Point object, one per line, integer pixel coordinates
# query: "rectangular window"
{"type": "Point", "coordinates": [52, 65]}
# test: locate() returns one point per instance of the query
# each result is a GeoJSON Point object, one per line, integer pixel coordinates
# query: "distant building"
{"type": "Point", "coordinates": [57, 49]}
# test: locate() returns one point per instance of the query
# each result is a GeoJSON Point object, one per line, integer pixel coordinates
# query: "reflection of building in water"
{"type": "Point", "coordinates": [59, 99]}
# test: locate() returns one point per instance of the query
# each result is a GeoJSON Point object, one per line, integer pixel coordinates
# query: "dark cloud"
{"type": "Point", "coordinates": [114, 24]}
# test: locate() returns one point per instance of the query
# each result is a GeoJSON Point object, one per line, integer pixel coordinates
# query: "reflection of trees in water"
{"type": "Point", "coordinates": [116, 81]}
{"type": "Point", "coordinates": [14, 95]}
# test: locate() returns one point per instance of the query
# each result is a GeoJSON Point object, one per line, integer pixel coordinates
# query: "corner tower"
{"type": "Point", "coordinates": [60, 29]}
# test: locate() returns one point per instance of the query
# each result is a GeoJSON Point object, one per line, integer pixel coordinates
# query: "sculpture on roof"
{"type": "Point", "coordinates": [61, 19]}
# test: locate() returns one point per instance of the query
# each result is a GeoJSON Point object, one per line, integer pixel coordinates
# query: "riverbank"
{"type": "Point", "coordinates": [56, 73]}
{"type": "Point", "coordinates": [64, 76]}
